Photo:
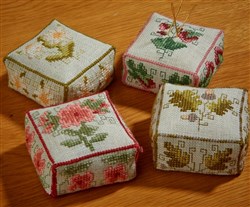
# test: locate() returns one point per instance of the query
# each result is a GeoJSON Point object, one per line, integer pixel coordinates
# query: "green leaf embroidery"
{"type": "Point", "coordinates": [87, 130]}
{"type": "Point", "coordinates": [167, 43]}
{"type": "Point", "coordinates": [116, 158]}
{"type": "Point", "coordinates": [71, 142]}
{"type": "Point", "coordinates": [175, 79]}
{"type": "Point", "coordinates": [222, 106]}
{"type": "Point", "coordinates": [72, 170]}
{"type": "Point", "coordinates": [98, 137]}
{"type": "Point", "coordinates": [192, 33]}
{"type": "Point", "coordinates": [70, 132]}
{"type": "Point", "coordinates": [139, 72]}
{"type": "Point", "coordinates": [185, 100]}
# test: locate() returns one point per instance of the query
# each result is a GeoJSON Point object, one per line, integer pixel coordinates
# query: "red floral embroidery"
{"type": "Point", "coordinates": [218, 52]}
{"type": "Point", "coordinates": [73, 115]}
{"type": "Point", "coordinates": [163, 27]}
{"type": "Point", "coordinates": [29, 138]}
{"type": "Point", "coordinates": [38, 161]}
{"type": "Point", "coordinates": [45, 123]}
{"type": "Point", "coordinates": [186, 37]}
{"type": "Point", "coordinates": [80, 182]}
{"type": "Point", "coordinates": [114, 174]}
{"type": "Point", "coordinates": [210, 68]}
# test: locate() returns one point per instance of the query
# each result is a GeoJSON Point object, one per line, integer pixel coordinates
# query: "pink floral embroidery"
{"type": "Point", "coordinates": [114, 174]}
{"type": "Point", "coordinates": [210, 68]}
{"type": "Point", "coordinates": [218, 53]}
{"type": "Point", "coordinates": [29, 138]}
{"type": "Point", "coordinates": [44, 122]}
{"type": "Point", "coordinates": [73, 115]}
{"type": "Point", "coordinates": [80, 182]}
{"type": "Point", "coordinates": [38, 161]}
{"type": "Point", "coordinates": [186, 37]}
{"type": "Point", "coordinates": [163, 27]}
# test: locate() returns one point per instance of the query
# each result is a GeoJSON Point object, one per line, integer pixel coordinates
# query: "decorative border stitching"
{"type": "Point", "coordinates": [136, 146]}
{"type": "Point", "coordinates": [205, 56]}
{"type": "Point", "coordinates": [193, 74]}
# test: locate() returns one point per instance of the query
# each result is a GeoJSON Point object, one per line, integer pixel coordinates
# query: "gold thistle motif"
{"type": "Point", "coordinates": [178, 158]}
{"type": "Point", "coordinates": [222, 106]}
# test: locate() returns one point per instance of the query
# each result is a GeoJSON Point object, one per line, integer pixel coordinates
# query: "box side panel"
{"type": "Point", "coordinates": [119, 166]}
{"type": "Point", "coordinates": [94, 79]}
{"type": "Point", "coordinates": [244, 130]}
{"type": "Point", "coordinates": [210, 62]}
{"type": "Point", "coordinates": [149, 76]}
{"type": "Point", "coordinates": [38, 155]}
{"type": "Point", "coordinates": [45, 92]}
{"type": "Point", "coordinates": [198, 156]}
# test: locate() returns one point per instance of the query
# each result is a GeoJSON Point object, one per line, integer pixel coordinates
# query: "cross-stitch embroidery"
{"type": "Point", "coordinates": [202, 107]}
{"type": "Point", "coordinates": [178, 158]}
{"type": "Point", "coordinates": [218, 160]}
{"type": "Point", "coordinates": [76, 115]}
{"type": "Point", "coordinates": [81, 181]}
{"type": "Point", "coordinates": [139, 73]}
{"type": "Point", "coordinates": [114, 174]}
{"type": "Point", "coordinates": [167, 41]}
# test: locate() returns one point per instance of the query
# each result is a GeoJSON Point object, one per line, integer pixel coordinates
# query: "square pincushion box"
{"type": "Point", "coordinates": [80, 145]}
{"type": "Point", "coordinates": [158, 55]}
{"type": "Point", "coordinates": [200, 130]}
{"type": "Point", "coordinates": [59, 65]}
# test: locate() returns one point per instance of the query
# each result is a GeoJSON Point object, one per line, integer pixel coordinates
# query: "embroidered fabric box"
{"type": "Point", "coordinates": [60, 64]}
{"type": "Point", "coordinates": [200, 130]}
{"type": "Point", "coordinates": [159, 55]}
{"type": "Point", "coordinates": [80, 144]}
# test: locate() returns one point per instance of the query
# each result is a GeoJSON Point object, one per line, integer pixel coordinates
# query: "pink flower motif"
{"type": "Point", "coordinates": [80, 182]}
{"type": "Point", "coordinates": [45, 123]}
{"type": "Point", "coordinates": [114, 174]}
{"type": "Point", "coordinates": [185, 37]}
{"type": "Point", "coordinates": [38, 161]}
{"type": "Point", "coordinates": [73, 115]}
{"type": "Point", "coordinates": [210, 68]}
{"type": "Point", "coordinates": [218, 52]}
{"type": "Point", "coordinates": [29, 138]}
{"type": "Point", "coordinates": [163, 28]}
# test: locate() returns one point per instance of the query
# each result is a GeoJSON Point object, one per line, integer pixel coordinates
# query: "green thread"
{"type": "Point", "coordinates": [72, 170]}
{"type": "Point", "coordinates": [167, 43]}
{"type": "Point", "coordinates": [176, 79]}
{"type": "Point", "coordinates": [116, 158]}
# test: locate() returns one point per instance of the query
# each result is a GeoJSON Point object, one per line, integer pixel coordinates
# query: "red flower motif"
{"type": "Point", "coordinates": [210, 68]}
{"type": "Point", "coordinates": [218, 52]}
{"type": "Point", "coordinates": [80, 182]}
{"type": "Point", "coordinates": [38, 161]}
{"type": "Point", "coordinates": [29, 138]}
{"type": "Point", "coordinates": [150, 83]}
{"type": "Point", "coordinates": [115, 174]}
{"type": "Point", "coordinates": [185, 37]}
{"type": "Point", "coordinates": [163, 28]}
{"type": "Point", "coordinates": [45, 123]}
{"type": "Point", "coordinates": [73, 115]}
